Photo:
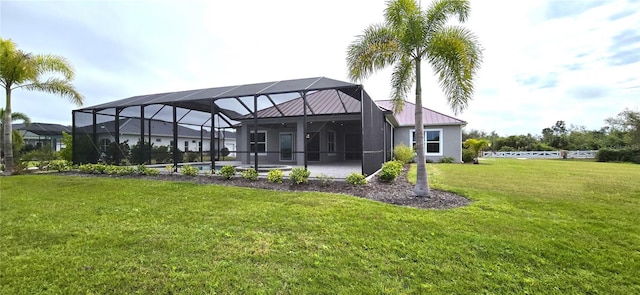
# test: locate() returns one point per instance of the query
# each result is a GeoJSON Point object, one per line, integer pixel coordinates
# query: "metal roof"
{"type": "Point", "coordinates": [42, 128]}
{"type": "Point", "coordinates": [199, 99]}
{"type": "Point", "coordinates": [429, 116]}
{"type": "Point", "coordinates": [158, 128]}
{"type": "Point", "coordinates": [324, 102]}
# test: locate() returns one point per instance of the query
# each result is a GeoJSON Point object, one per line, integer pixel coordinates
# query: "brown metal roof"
{"type": "Point", "coordinates": [429, 116]}
{"type": "Point", "coordinates": [324, 102]}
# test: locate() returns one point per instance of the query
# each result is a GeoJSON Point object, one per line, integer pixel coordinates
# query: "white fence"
{"type": "Point", "coordinates": [541, 154]}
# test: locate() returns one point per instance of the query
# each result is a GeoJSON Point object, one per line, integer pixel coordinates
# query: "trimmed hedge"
{"type": "Point", "coordinates": [619, 155]}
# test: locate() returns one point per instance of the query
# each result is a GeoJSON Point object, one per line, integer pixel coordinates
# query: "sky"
{"type": "Point", "coordinates": [543, 61]}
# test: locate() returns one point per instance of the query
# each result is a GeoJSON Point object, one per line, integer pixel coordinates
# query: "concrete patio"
{"type": "Point", "coordinates": [337, 170]}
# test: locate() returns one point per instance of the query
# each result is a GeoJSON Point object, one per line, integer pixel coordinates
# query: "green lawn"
{"type": "Point", "coordinates": [535, 226]}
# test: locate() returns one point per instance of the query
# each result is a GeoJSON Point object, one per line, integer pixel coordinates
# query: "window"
{"type": "Point", "coordinates": [186, 145]}
{"type": "Point", "coordinates": [158, 140]}
{"type": "Point", "coordinates": [104, 143]}
{"type": "Point", "coordinates": [258, 143]}
{"type": "Point", "coordinates": [331, 142]}
{"type": "Point", "coordinates": [432, 141]}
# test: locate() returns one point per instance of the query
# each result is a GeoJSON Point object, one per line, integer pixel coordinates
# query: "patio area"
{"type": "Point", "coordinates": [337, 170]}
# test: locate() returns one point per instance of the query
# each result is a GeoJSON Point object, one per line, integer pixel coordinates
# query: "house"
{"type": "Point", "coordinates": [160, 133]}
{"type": "Point", "coordinates": [293, 122]}
{"type": "Point", "coordinates": [333, 130]}
{"type": "Point", "coordinates": [442, 133]}
{"type": "Point", "coordinates": [42, 134]}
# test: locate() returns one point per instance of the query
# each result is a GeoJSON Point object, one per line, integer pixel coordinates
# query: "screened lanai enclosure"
{"type": "Point", "coordinates": [298, 122]}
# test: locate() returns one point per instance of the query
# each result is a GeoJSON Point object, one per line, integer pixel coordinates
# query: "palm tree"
{"type": "Point", "coordinates": [408, 36]}
{"type": "Point", "coordinates": [476, 145]}
{"type": "Point", "coordinates": [15, 116]}
{"type": "Point", "coordinates": [24, 70]}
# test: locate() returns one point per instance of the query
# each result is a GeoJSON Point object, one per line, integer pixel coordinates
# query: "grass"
{"type": "Point", "coordinates": [534, 227]}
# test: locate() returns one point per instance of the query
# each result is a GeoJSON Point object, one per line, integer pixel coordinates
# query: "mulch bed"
{"type": "Point", "coordinates": [399, 192]}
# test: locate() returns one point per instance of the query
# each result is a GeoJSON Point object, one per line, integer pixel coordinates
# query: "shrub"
{"type": "Point", "coordinates": [299, 175]}
{"type": "Point", "coordinates": [356, 179]}
{"type": "Point", "coordinates": [124, 170]}
{"type": "Point", "coordinates": [228, 171]}
{"type": "Point", "coordinates": [143, 170]}
{"type": "Point", "coordinates": [189, 170]}
{"type": "Point", "coordinates": [169, 169]}
{"type": "Point", "coordinates": [152, 172]}
{"type": "Point", "coordinates": [428, 161]}
{"type": "Point", "coordinates": [110, 169]}
{"type": "Point", "coordinates": [249, 174]}
{"type": "Point", "coordinates": [325, 180]}
{"type": "Point", "coordinates": [403, 153]}
{"type": "Point", "coordinates": [468, 155]}
{"type": "Point", "coordinates": [275, 176]}
{"type": "Point", "coordinates": [447, 160]}
{"type": "Point", "coordinates": [191, 156]}
{"type": "Point", "coordinates": [619, 155]}
{"type": "Point", "coordinates": [59, 165]}
{"type": "Point", "coordinates": [390, 171]}
{"type": "Point", "coordinates": [44, 153]}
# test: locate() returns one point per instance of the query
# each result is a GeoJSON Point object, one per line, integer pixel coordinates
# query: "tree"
{"type": "Point", "coordinates": [627, 121]}
{"type": "Point", "coordinates": [27, 71]}
{"type": "Point", "coordinates": [476, 145]}
{"type": "Point", "coordinates": [17, 142]}
{"type": "Point", "coordinates": [408, 36]}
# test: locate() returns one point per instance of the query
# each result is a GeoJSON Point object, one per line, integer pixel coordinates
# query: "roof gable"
{"type": "Point", "coordinates": [429, 116]}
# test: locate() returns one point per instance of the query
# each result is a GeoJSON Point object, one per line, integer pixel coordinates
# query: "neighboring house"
{"type": "Point", "coordinates": [161, 134]}
{"type": "Point", "coordinates": [42, 134]}
{"type": "Point", "coordinates": [442, 133]}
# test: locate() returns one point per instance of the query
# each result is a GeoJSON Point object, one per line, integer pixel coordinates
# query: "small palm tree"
{"type": "Point", "coordinates": [476, 145]}
{"type": "Point", "coordinates": [408, 36]}
{"type": "Point", "coordinates": [24, 70]}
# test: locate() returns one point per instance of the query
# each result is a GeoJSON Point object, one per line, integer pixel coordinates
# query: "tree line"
{"type": "Point", "coordinates": [619, 132]}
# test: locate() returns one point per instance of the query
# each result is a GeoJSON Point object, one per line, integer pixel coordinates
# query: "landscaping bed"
{"type": "Point", "coordinates": [398, 192]}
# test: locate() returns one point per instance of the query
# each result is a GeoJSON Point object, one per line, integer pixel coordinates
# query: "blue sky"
{"type": "Point", "coordinates": [545, 60]}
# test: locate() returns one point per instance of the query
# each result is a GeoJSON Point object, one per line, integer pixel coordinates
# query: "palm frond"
{"type": "Point", "coordinates": [455, 55]}
{"type": "Point", "coordinates": [57, 86]}
{"type": "Point", "coordinates": [439, 12]}
{"type": "Point", "coordinates": [47, 63]}
{"type": "Point", "coordinates": [371, 51]}
{"type": "Point", "coordinates": [16, 116]}
{"type": "Point", "coordinates": [402, 79]}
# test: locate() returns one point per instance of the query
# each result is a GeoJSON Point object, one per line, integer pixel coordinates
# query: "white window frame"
{"type": "Point", "coordinates": [331, 144]}
{"type": "Point", "coordinates": [441, 142]}
{"type": "Point", "coordinates": [104, 144]}
{"type": "Point", "coordinates": [293, 147]}
{"type": "Point", "coordinates": [259, 142]}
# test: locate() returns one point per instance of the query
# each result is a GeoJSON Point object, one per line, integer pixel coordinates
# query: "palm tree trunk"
{"type": "Point", "coordinates": [421, 188]}
{"type": "Point", "coordinates": [8, 148]}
